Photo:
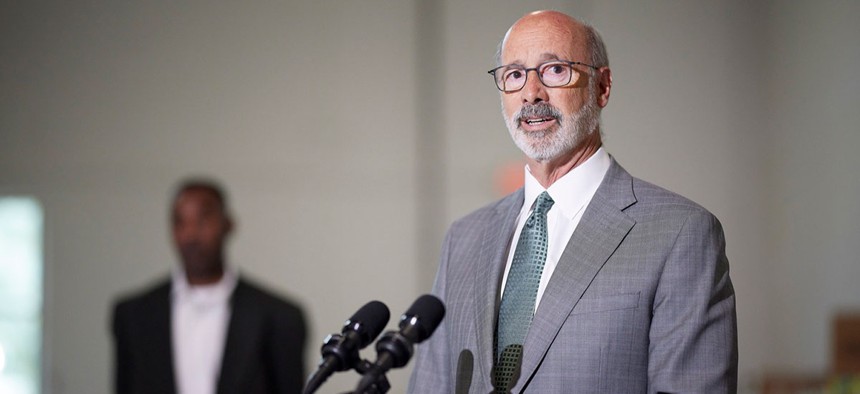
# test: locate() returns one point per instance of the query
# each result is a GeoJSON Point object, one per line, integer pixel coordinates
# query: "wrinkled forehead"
{"type": "Point", "coordinates": [541, 39]}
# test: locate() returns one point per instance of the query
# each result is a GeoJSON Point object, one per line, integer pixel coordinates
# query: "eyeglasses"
{"type": "Point", "coordinates": [512, 77]}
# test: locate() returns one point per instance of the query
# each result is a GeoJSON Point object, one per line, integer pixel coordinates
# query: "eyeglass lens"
{"type": "Point", "coordinates": [552, 74]}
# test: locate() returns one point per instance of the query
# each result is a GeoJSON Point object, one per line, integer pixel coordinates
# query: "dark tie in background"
{"type": "Point", "coordinates": [518, 300]}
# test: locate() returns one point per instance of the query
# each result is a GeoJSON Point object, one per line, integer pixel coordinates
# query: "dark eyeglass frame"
{"type": "Point", "coordinates": [526, 70]}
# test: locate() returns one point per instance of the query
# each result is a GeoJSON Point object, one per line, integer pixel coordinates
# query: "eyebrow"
{"type": "Point", "coordinates": [549, 56]}
{"type": "Point", "coordinates": [546, 56]}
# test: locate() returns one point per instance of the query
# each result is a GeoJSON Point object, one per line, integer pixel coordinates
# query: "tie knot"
{"type": "Point", "coordinates": [543, 204]}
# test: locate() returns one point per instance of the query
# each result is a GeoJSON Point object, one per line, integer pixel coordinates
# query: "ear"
{"type": "Point", "coordinates": [604, 86]}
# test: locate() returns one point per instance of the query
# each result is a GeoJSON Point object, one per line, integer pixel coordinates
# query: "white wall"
{"type": "Point", "coordinates": [351, 133]}
{"type": "Point", "coordinates": [813, 129]}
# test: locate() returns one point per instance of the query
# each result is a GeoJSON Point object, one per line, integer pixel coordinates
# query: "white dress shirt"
{"type": "Point", "coordinates": [571, 193]}
{"type": "Point", "coordinates": [199, 316]}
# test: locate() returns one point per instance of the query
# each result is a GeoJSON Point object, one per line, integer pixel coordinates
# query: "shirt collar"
{"type": "Point", "coordinates": [573, 190]}
{"type": "Point", "coordinates": [217, 292]}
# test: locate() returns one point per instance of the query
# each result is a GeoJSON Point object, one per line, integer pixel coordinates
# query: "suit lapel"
{"type": "Point", "coordinates": [240, 340]}
{"type": "Point", "coordinates": [162, 345]}
{"type": "Point", "coordinates": [602, 228]}
{"type": "Point", "coordinates": [488, 275]}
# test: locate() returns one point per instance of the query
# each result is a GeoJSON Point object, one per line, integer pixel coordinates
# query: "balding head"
{"type": "Point", "coordinates": [579, 35]}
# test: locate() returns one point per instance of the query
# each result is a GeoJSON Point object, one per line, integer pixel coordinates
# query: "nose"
{"type": "Point", "coordinates": [186, 232]}
{"type": "Point", "coordinates": [534, 90]}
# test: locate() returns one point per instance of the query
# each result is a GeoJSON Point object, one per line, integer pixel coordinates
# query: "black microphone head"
{"type": "Point", "coordinates": [368, 322]}
{"type": "Point", "coordinates": [423, 317]}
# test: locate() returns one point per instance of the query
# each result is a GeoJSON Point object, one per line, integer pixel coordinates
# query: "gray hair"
{"type": "Point", "coordinates": [599, 57]}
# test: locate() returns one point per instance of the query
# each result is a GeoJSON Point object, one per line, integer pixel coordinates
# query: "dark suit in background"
{"type": "Point", "coordinates": [263, 352]}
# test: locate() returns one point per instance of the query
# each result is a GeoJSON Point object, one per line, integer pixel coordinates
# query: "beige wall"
{"type": "Point", "coordinates": [813, 128]}
{"type": "Point", "coordinates": [351, 133]}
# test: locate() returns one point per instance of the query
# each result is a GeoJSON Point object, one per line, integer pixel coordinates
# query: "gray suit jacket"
{"type": "Point", "coordinates": [640, 302]}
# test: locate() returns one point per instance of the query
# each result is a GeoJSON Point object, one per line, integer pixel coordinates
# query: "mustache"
{"type": "Point", "coordinates": [539, 110]}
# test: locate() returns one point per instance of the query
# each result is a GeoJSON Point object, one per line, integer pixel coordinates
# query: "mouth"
{"type": "Point", "coordinates": [534, 124]}
{"type": "Point", "coordinates": [537, 121]}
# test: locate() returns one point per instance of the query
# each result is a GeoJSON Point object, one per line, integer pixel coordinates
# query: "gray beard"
{"type": "Point", "coordinates": [552, 143]}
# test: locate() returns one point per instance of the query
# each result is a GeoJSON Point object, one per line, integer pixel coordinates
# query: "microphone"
{"type": "Point", "coordinates": [465, 364]}
{"type": "Point", "coordinates": [340, 352]}
{"type": "Point", "coordinates": [394, 349]}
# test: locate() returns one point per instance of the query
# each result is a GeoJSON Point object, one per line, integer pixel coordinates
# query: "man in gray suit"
{"type": "Point", "coordinates": [587, 279]}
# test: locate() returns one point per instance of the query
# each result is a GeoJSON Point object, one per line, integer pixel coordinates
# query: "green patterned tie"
{"type": "Point", "coordinates": [518, 300]}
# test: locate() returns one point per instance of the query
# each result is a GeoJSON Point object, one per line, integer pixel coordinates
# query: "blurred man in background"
{"type": "Point", "coordinates": [206, 329]}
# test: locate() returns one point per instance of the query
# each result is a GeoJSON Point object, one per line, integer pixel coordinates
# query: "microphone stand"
{"type": "Point", "coordinates": [381, 386]}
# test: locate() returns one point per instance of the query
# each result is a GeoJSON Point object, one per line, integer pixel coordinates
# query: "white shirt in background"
{"type": "Point", "coordinates": [199, 319]}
